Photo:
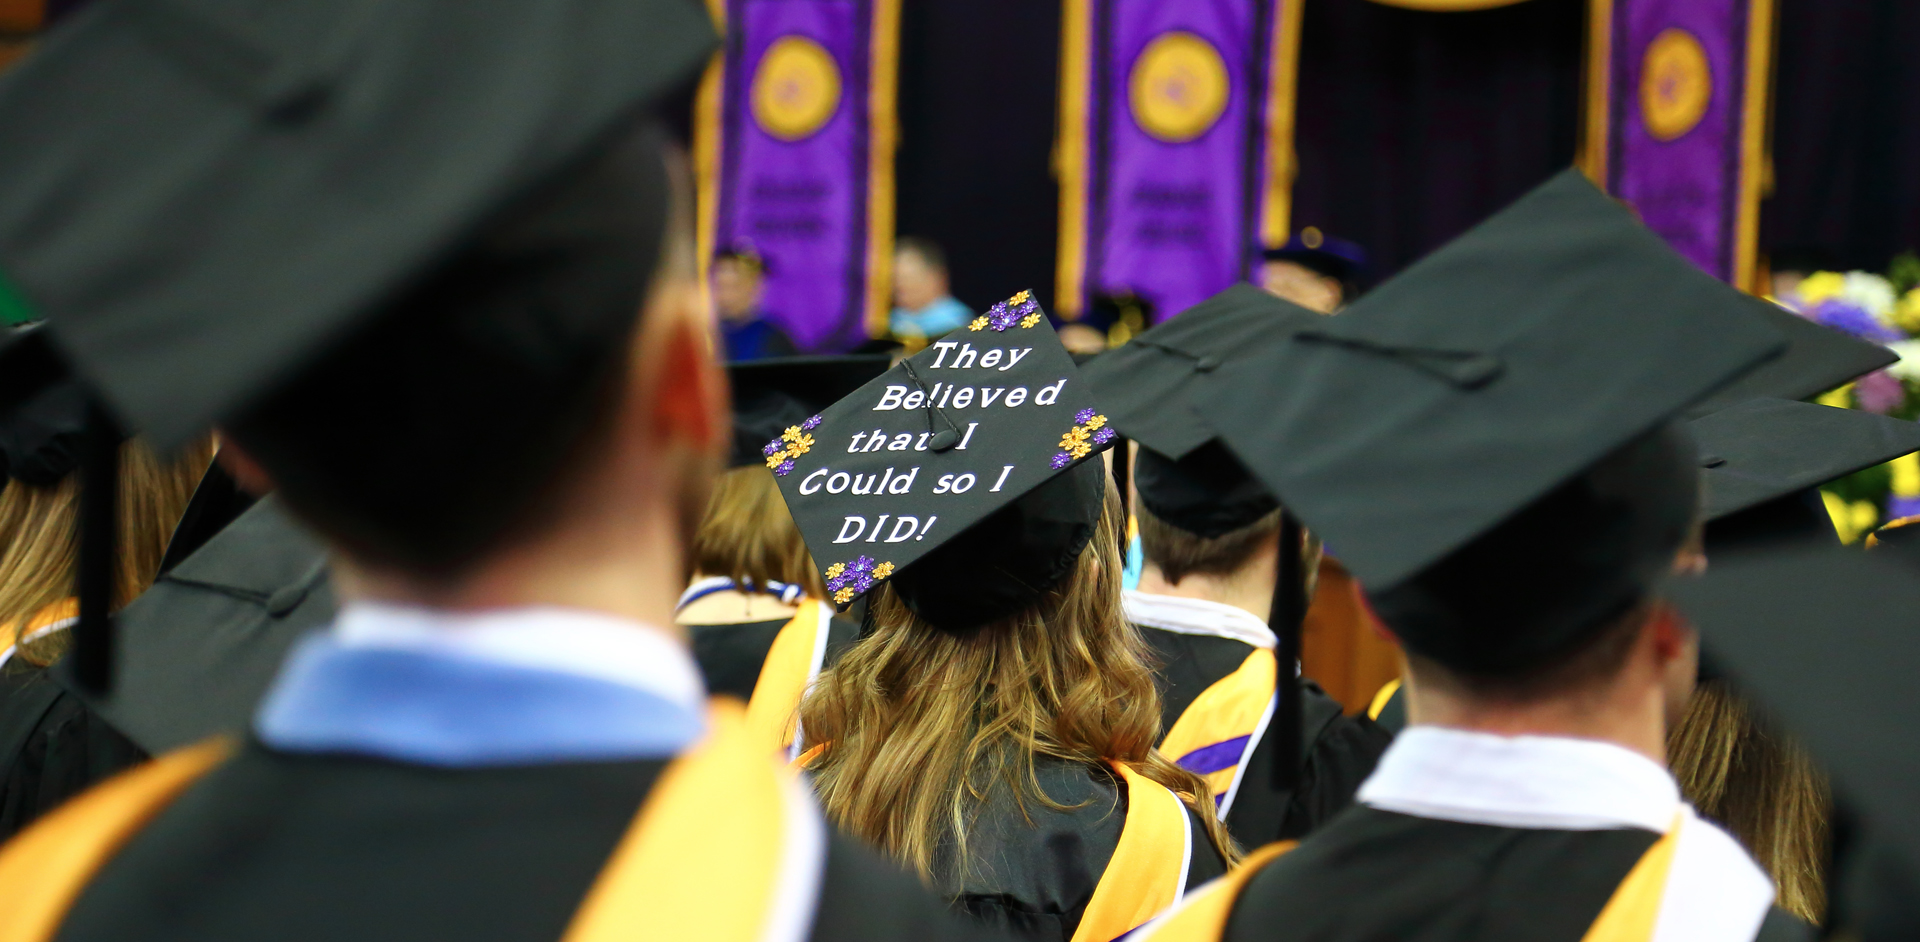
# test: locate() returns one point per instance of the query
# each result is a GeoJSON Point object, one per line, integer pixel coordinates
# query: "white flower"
{"type": "Point", "coordinates": [1909, 365]}
{"type": "Point", "coordinates": [1871, 292]}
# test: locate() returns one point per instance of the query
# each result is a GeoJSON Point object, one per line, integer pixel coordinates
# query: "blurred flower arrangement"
{"type": "Point", "coordinates": [1884, 309]}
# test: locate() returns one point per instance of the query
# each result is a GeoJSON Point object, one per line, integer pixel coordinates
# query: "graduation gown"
{"type": "Point", "coordinates": [1033, 872]}
{"type": "Point", "coordinates": [1340, 750]}
{"type": "Point", "coordinates": [52, 745]}
{"type": "Point", "coordinates": [731, 656]}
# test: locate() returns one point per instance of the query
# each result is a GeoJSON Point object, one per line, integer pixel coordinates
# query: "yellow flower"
{"type": "Point", "coordinates": [843, 596]}
{"type": "Point", "coordinates": [1075, 436]}
{"type": "Point", "coordinates": [792, 434]}
{"type": "Point", "coordinates": [882, 571]}
{"type": "Point", "coordinates": [1021, 298]}
{"type": "Point", "coordinates": [1080, 450]}
{"type": "Point", "coordinates": [1030, 320]}
{"type": "Point", "coordinates": [1820, 286]}
{"type": "Point", "coordinates": [773, 460]}
{"type": "Point", "coordinates": [1906, 314]}
{"type": "Point", "coordinates": [799, 446]}
{"type": "Point", "coordinates": [1096, 423]}
{"type": "Point", "coordinates": [834, 571]}
{"type": "Point", "coordinates": [979, 323]}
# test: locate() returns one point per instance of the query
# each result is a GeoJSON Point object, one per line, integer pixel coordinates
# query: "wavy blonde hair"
{"type": "Point", "coordinates": [747, 534]}
{"type": "Point", "coordinates": [39, 548]}
{"type": "Point", "coordinates": [923, 723]}
{"type": "Point", "coordinates": [1762, 786]}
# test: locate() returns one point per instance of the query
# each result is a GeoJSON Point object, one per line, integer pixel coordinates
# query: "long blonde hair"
{"type": "Point", "coordinates": [923, 723]}
{"type": "Point", "coordinates": [39, 551]}
{"type": "Point", "coordinates": [747, 534]}
{"type": "Point", "coordinates": [1762, 786]}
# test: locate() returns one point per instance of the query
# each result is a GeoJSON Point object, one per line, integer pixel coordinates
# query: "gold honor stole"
{"type": "Point", "coordinates": [1148, 871]}
{"type": "Point", "coordinates": [1629, 916]}
{"type": "Point", "coordinates": [1218, 731]}
{"type": "Point", "coordinates": [791, 665]}
{"type": "Point", "coordinates": [725, 848]}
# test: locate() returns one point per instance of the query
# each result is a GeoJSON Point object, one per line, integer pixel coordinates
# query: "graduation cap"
{"type": "Point", "coordinates": [206, 199]}
{"type": "Point", "coordinates": [771, 394]}
{"type": "Point", "coordinates": [1328, 255]}
{"type": "Point", "coordinates": [1823, 637]}
{"type": "Point", "coordinates": [1815, 360]}
{"type": "Point", "coordinates": [961, 474]}
{"type": "Point", "coordinates": [1763, 460]}
{"type": "Point", "coordinates": [1498, 415]}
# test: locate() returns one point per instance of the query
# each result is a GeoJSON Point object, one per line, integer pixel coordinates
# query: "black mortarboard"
{"type": "Point", "coordinates": [969, 456]}
{"type": "Point", "coordinates": [207, 198]}
{"type": "Point", "coordinates": [1823, 637]}
{"type": "Point", "coordinates": [1816, 359]}
{"type": "Point", "coordinates": [1329, 255]}
{"type": "Point", "coordinates": [204, 197]}
{"type": "Point", "coordinates": [772, 394]}
{"type": "Point", "coordinates": [1763, 458]}
{"type": "Point", "coordinates": [1528, 370]}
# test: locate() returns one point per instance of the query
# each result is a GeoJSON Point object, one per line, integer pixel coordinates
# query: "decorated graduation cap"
{"type": "Point", "coordinates": [769, 395]}
{"type": "Point", "coordinates": [961, 475]}
{"type": "Point", "coordinates": [1823, 637]}
{"type": "Point", "coordinates": [208, 199]}
{"type": "Point", "coordinates": [1763, 459]}
{"type": "Point", "coordinates": [1815, 360]}
{"type": "Point", "coordinates": [1499, 415]}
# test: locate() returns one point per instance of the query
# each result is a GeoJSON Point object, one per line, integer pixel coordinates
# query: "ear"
{"type": "Point", "coordinates": [691, 402]}
{"type": "Point", "coordinates": [1672, 637]}
{"type": "Point", "coordinates": [246, 472]}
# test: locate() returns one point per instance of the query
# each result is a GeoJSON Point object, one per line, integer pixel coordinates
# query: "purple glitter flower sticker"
{"type": "Point", "coordinates": [1103, 436]}
{"type": "Point", "coordinates": [1061, 460]}
{"type": "Point", "coordinates": [810, 424]}
{"type": "Point", "coordinates": [1083, 417]}
{"type": "Point", "coordinates": [773, 448]}
{"type": "Point", "coordinates": [785, 468]}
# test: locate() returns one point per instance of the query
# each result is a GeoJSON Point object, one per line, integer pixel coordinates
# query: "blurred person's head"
{"type": "Point", "coordinates": [1314, 270]}
{"type": "Point", "coordinates": [1295, 282]}
{"type": "Point", "coordinates": [919, 273]}
{"type": "Point", "coordinates": [748, 536]}
{"type": "Point", "coordinates": [523, 423]}
{"type": "Point", "coordinates": [739, 279]}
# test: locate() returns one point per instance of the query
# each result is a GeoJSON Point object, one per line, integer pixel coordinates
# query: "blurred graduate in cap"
{"type": "Point", "coordinates": [1507, 479]}
{"type": "Point", "coordinates": [994, 728]}
{"type": "Point", "coordinates": [1210, 539]}
{"type": "Point", "coordinates": [739, 284]}
{"type": "Point", "coordinates": [477, 366]}
{"type": "Point", "coordinates": [756, 610]}
{"type": "Point", "coordinates": [52, 745]}
{"type": "Point", "coordinates": [1314, 270]}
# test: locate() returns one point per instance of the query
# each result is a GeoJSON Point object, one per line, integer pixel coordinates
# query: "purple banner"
{"type": "Point", "coordinates": [795, 160]}
{"type": "Point", "coordinates": [1676, 122]}
{"type": "Point", "coordinates": [1173, 140]}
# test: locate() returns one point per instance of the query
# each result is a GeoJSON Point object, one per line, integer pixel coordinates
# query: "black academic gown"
{"type": "Point", "coordinates": [296, 847]}
{"type": "Point", "coordinates": [52, 745]}
{"type": "Point", "coordinates": [196, 652]}
{"type": "Point", "coordinates": [1033, 874]}
{"type": "Point", "coordinates": [731, 656]}
{"type": "Point", "coordinates": [1341, 750]}
{"type": "Point", "coordinates": [1371, 874]}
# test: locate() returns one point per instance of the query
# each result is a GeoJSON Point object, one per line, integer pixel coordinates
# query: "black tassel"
{"type": "Point", "coordinates": [99, 529]}
{"type": "Point", "coordinates": [1289, 610]}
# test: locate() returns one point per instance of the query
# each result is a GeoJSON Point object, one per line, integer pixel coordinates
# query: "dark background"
{"type": "Point", "coordinates": [1412, 127]}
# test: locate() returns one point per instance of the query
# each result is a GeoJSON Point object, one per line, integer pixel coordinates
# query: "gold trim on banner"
{"type": "Point", "coordinates": [20, 17]}
{"type": "Point", "coordinates": [1283, 90]}
{"type": "Point", "coordinates": [883, 135]}
{"type": "Point", "coordinates": [1753, 138]}
{"type": "Point", "coordinates": [1594, 128]}
{"type": "Point", "coordinates": [706, 155]}
{"type": "Point", "coordinates": [1448, 6]}
{"type": "Point", "coordinates": [1070, 153]}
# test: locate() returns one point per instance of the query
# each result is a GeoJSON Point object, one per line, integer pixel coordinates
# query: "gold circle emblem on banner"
{"type": "Point", "coordinates": [1676, 84]}
{"type": "Point", "coordinates": [1178, 87]}
{"type": "Point", "coordinates": [795, 89]}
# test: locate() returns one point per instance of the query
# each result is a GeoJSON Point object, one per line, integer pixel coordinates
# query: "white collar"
{"type": "Point", "coordinates": [548, 638]}
{"type": "Point", "coordinates": [1196, 617]}
{"type": "Point", "coordinates": [1549, 782]}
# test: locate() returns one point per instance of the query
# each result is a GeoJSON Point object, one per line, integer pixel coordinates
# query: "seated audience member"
{"type": "Point", "coordinates": [503, 423]}
{"type": "Point", "coordinates": [1519, 554]}
{"type": "Point", "coordinates": [994, 728]}
{"type": "Point", "coordinates": [923, 308]}
{"type": "Point", "coordinates": [1316, 271]}
{"type": "Point", "coordinates": [756, 611]}
{"type": "Point", "coordinates": [739, 283]}
{"type": "Point", "coordinates": [52, 746]}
